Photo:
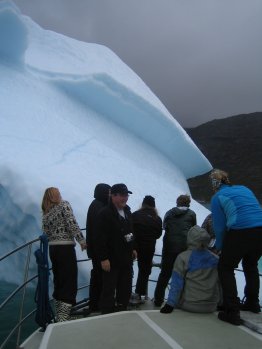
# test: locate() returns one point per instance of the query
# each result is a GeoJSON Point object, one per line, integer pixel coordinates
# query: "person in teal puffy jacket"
{"type": "Point", "coordinates": [237, 222]}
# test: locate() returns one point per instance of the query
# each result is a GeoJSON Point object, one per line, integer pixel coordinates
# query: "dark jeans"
{"type": "Point", "coordinates": [96, 281]}
{"type": "Point", "coordinates": [144, 261]}
{"type": "Point", "coordinates": [117, 287]}
{"type": "Point", "coordinates": [245, 245]}
{"type": "Point", "coordinates": [64, 265]}
{"type": "Point", "coordinates": [167, 264]}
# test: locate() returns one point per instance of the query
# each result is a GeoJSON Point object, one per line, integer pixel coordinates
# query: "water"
{"type": "Point", "coordinates": [10, 313]}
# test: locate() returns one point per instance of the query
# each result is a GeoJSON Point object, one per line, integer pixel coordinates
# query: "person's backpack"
{"type": "Point", "coordinates": [44, 313]}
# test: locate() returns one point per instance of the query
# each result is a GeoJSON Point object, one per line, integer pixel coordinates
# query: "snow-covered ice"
{"type": "Point", "coordinates": [73, 115]}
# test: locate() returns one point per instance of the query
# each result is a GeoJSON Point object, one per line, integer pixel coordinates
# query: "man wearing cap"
{"type": "Point", "coordinates": [115, 249]}
{"type": "Point", "coordinates": [237, 222]}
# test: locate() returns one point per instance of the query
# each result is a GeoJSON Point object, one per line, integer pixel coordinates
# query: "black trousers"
{"type": "Point", "coordinates": [96, 281]}
{"type": "Point", "coordinates": [245, 245]}
{"type": "Point", "coordinates": [64, 264]}
{"type": "Point", "coordinates": [117, 287]}
{"type": "Point", "coordinates": [167, 264]}
{"type": "Point", "coordinates": [144, 261]}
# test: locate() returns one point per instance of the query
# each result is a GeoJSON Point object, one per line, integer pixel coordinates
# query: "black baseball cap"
{"type": "Point", "coordinates": [120, 188]}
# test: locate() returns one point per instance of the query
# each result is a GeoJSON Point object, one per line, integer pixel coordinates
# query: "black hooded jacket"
{"type": "Point", "coordinates": [147, 227]}
{"type": "Point", "coordinates": [112, 237]}
{"type": "Point", "coordinates": [101, 200]}
{"type": "Point", "coordinates": [177, 223]}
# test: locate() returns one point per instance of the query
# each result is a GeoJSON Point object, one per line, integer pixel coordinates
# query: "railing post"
{"type": "Point", "coordinates": [24, 291]}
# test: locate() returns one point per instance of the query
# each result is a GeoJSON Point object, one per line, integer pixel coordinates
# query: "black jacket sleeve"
{"type": "Point", "coordinates": [91, 221]}
{"type": "Point", "coordinates": [102, 236]}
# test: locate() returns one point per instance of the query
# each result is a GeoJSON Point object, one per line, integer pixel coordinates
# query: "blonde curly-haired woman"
{"type": "Point", "coordinates": [59, 224]}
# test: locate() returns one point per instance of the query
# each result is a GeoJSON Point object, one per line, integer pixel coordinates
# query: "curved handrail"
{"type": "Point", "coordinates": [17, 290]}
{"type": "Point", "coordinates": [18, 248]}
{"type": "Point", "coordinates": [22, 287]}
{"type": "Point", "coordinates": [16, 327]}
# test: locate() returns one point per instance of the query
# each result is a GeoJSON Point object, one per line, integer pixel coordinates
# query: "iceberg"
{"type": "Point", "coordinates": [73, 115]}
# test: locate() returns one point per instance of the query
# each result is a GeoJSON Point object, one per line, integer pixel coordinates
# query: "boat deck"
{"type": "Point", "coordinates": [149, 329]}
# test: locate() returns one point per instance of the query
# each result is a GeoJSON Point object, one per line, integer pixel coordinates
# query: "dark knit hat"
{"type": "Point", "coordinates": [149, 201]}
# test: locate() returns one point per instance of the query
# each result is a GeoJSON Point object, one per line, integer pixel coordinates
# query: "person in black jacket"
{"type": "Point", "coordinates": [114, 245]}
{"type": "Point", "coordinates": [147, 229]}
{"type": "Point", "coordinates": [101, 195]}
{"type": "Point", "coordinates": [177, 223]}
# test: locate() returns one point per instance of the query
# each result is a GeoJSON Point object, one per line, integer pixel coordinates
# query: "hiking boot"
{"type": "Point", "coordinates": [136, 299]}
{"type": "Point", "coordinates": [230, 317]}
{"type": "Point", "coordinates": [166, 309]}
{"type": "Point", "coordinates": [157, 303]}
{"type": "Point", "coordinates": [248, 306]}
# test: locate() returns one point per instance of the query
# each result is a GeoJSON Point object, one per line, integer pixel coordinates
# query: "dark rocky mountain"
{"type": "Point", "coordinates": [233, 144]}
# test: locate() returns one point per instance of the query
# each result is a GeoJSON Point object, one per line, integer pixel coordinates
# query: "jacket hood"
{"type": "Point", "coordinates": [101, 192]}
{"type": "Point", "coordinates": [178, 211]}
{"type": "Point", "coordinates": [197, 237]}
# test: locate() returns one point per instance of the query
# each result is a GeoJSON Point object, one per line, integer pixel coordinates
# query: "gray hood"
{"type": "Point", "coordinates": [178, 211]}
{"type": "Point", "coordinates": [197, 238]}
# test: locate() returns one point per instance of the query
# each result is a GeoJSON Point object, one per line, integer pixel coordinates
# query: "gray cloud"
{"type": "Point", "coordinates": [201, 58]}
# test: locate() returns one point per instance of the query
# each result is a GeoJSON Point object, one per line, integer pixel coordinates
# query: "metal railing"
{"type": "Point", "coordinates": [23, 287]}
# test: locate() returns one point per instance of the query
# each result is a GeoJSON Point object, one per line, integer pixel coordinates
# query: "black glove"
{"type": "Point", "coordinates": [166, 309]}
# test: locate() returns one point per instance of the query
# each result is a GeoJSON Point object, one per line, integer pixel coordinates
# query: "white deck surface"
{"type": "Point", "coordinates": [149, 329]}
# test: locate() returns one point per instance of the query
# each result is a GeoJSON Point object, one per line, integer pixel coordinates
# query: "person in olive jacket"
{"type": "Point", "coordinates": [177, 223]}
{"type": "Point", "coordinates": [114, 246]}
{"type": "Point", "coordinates": [147, 228]}
{"type": "Point", "coordinates": [101, 198]}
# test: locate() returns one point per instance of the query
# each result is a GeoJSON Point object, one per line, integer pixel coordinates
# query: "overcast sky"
{"type": "Point", "coordinates": [202, 58]}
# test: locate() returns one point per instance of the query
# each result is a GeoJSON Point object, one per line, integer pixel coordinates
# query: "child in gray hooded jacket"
{"type": "Point", "coordinates": [194, 285]}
